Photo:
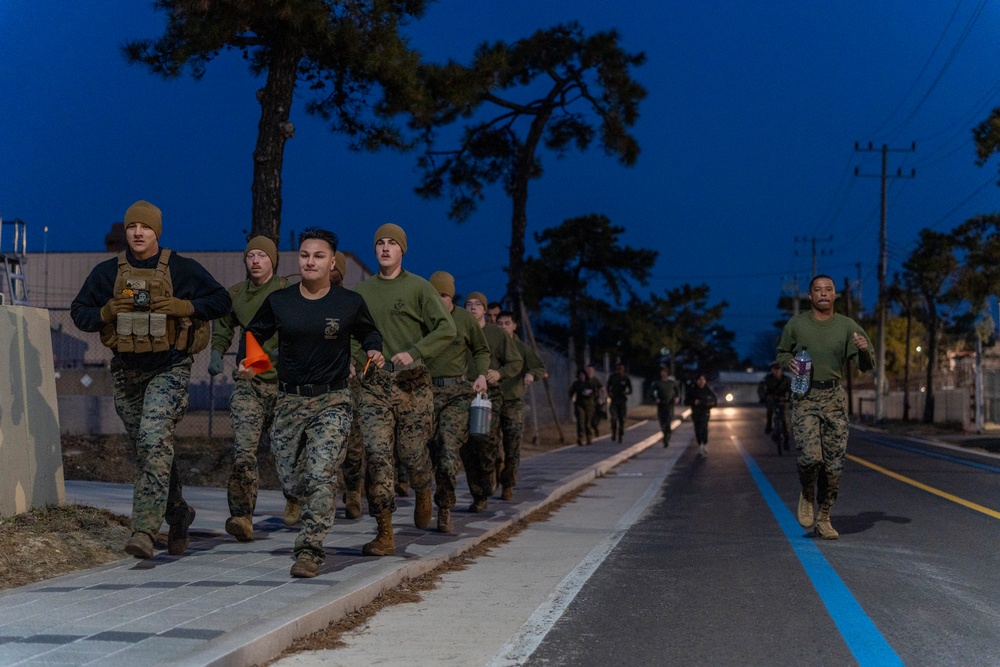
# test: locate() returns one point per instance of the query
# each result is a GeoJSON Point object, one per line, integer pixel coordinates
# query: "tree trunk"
{"type": "Point", "coordinates": [524, 171]}
{"type": "Point", "coordinates": [272, 132]}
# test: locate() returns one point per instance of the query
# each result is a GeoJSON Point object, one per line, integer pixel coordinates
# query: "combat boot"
{"type": "Point", "coordinates": [177, 536]}
{"type": "Point", "coordinates": [823, 527]}
{"type": "Point", "coordinates": [805, 511]}
{"type": "Point", "coordinates": [444, 520]}
{"type": "Point", "coordinates": [240, 528]}
{"type": "Point", "coordinates": [383, 544]}
{"type": "Point", "coordinates": [352, 505]}
{"type": "Point", "coordinates": [422, 510]}
{"type": "Point", "coordinates": [293, 512]}
{"type": "Point", "coordinates": [508, 493]}
{"type": "Point", "coordinates": [139, 545]}
{"type": "Point", "coordinates": [402, 489]}
{"type": "Point", "coordinates": [305, 567]}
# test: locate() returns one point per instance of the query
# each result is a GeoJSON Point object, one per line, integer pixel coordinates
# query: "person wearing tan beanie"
{"type": "Point", "coordinates": [482, 456]}
{"type": "Point", "coordinates": [396, 407]}
{"type": "Point", "coordinates": [453, 392]}
{"type": "Point", "coordinates": [152, 308]}
{"type": "Point", "coordinates": [251, 407]}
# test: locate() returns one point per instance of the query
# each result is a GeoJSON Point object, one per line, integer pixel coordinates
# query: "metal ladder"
{"type": "Point", "coordinates": [13, 287]}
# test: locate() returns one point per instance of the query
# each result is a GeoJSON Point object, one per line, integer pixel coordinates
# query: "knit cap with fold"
{"type": "Point", "coordinates": [144, 212]}
{"type": "Point", "coordinates": [479, 296]}
{"type": "Point", "coordinates": [265, 245]}
{"type": "Point", "coordinates": [443, 282]}
{"type": "Point", "coordinates": [394, 232]}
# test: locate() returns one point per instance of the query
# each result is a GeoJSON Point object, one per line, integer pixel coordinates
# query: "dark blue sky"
{"type": "Point", "coordinates": [747, 140]}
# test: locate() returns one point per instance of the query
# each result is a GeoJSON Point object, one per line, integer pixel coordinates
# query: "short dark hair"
{"type": "Point", "coordinates": [321, 234]}
{"type": "Point", "coordinates": [494, 304]}
{"type": "Point", "coordinates": [820, 277]}
{"type": "Point", "coordinates": [507, 313]}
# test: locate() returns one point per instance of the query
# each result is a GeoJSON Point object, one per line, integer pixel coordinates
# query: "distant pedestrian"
{"type": "Point", "coordinates": [701, 399]}
{"type": "Point", "coordinates": [315, 321]}
{"type": "Point", "coordinates": [251, 406]}
{"type": "Point", "coordinates": [665, 393]}
{"type": "Point", "coordinates": [600, 399]}
{"type": "Point", "coordinates": [619, 388]}
{"type": "Point", "coordinates": [819, 417]}
{"type": "Point", "coordinates": [583, 395]}
{"type": "Point", "coordinates": [152, 308]}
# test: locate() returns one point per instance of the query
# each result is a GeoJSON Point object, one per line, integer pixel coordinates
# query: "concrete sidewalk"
{"type": "Point", "coordinates": [231, 603]}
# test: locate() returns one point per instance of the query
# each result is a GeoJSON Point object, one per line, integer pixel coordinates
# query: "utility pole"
{"type": "Point", "coordinates": [813, 240]}
{"type": "Point", "coordinates": [883, 260]}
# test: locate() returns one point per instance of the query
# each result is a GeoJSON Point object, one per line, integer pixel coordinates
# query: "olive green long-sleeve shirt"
{"type": "Point", "coordinates": [468, 354]}
{"type": "Point", "coordinates": [531, 363]}
{"type": "Point", "coordinates": [247, 299]}
{"type": "Point", "coordinates": [409, 313]}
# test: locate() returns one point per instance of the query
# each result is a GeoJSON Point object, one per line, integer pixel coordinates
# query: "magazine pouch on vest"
{"type": "Point", "coordinates": [142, 331]}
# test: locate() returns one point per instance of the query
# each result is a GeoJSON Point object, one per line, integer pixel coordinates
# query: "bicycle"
{"type": "Point", "coordinates": [779, 433]}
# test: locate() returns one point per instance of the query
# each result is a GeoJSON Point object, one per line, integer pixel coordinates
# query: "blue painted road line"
{"type": "Point", "coordinates": [859, 632]}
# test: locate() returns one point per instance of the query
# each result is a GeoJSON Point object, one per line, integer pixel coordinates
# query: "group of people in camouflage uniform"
{"type": "Point", "coordinates": [361, 383]}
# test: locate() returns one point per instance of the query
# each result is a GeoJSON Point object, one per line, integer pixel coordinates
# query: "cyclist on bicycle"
{"type": "Point", "coordinates": [777, 389]}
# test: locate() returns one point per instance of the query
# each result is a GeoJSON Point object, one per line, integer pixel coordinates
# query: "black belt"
{"type": "Point", "coordinates": [310, 390]}
{"type": "Point", "coordinates": [448, 382]}
{"type": "Point", "coordinates": [825, 384]}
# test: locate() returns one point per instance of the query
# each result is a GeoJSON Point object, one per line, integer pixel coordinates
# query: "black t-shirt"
{"type": "Point", "coordinates": [314, 335]}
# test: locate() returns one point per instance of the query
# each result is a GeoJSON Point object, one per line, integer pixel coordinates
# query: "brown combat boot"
{"type": "Point", "coordinates": [805, 511]}
{"type": "Point", "coordinates": [402, 489]}
{"type": "Point", "coordinates": [352, 505]}
{"type": "Point", "coordinates": [240, 528]}
{"type": "Point", "coordinates": [444, 520]}
{"type": "Point", "coordinates": [823, 527]}
{"type": "Point", "coordinates": [383, 544]}
{"type": "Point", "coordinates": [422, 510]}
{"type": "Point", "coordinates": [479, 505]}
{"type": "Point", "coordinates": [293, 512]}
{"type": "Point", "coordinates": [177, 536]}
{"type": "Point", "coordinates": [507, 493]}
{"type": "Point", "coordinates": [139, 545]}
{"type": "Point", "coordinates": [305, 567]}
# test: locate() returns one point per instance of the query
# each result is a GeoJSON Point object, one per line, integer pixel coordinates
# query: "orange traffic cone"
{"type": "Point", "coordinates": [256, 358]}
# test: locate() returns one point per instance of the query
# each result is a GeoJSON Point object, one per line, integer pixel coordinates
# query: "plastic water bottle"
{"type": "Point", "coordinates": [802, 369]}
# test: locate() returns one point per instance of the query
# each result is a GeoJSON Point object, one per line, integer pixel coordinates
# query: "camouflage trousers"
{"type": "Point", "coordinates": [481, 455]}
{"type": "Point", "coordinates": [251, 409]}
{"type": "Point", "coordinates": [150, 404]}
{"type": "Point", "coordinates": [512, 427]}
{"type": "Point", "coordinates": [396, 415]}
{"type": "Point", "coordinates": [665, 415]}
{"type": "Point", "coordinates": [585, 427]}
{"type": "Point", "coordinates": [451, 411]}
{"type": "Point", "coordinates": [820, 426]}
{"type": "Point", "coordinates": [308, 439]}
{"type": "Point", "coordinates": [353, 469]}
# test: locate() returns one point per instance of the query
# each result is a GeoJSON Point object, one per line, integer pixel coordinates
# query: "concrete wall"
{"type": "Point", "coordinates": [31, 473]}
{"type": "Point", "coordinates": [950, 406]}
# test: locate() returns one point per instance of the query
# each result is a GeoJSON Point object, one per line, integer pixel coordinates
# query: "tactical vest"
{"type": "Point", "coordinates": [142, 331]}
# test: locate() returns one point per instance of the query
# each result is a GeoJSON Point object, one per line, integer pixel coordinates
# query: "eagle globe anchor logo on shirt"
{"type": "Point", "coordinates": [802, 368]}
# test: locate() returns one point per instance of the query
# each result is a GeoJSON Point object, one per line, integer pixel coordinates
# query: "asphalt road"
{"type": "Point", "coordinates": [677, 559]}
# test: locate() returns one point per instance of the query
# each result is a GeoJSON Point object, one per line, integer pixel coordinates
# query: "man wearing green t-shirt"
{"type": "Point", "coordinates": [396, 406]}
{"type": "Point", "coordinates": [819, 417]}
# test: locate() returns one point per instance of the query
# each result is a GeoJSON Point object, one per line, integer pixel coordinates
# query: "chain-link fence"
{"type": "Point", "coordinates": [86, 404]}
